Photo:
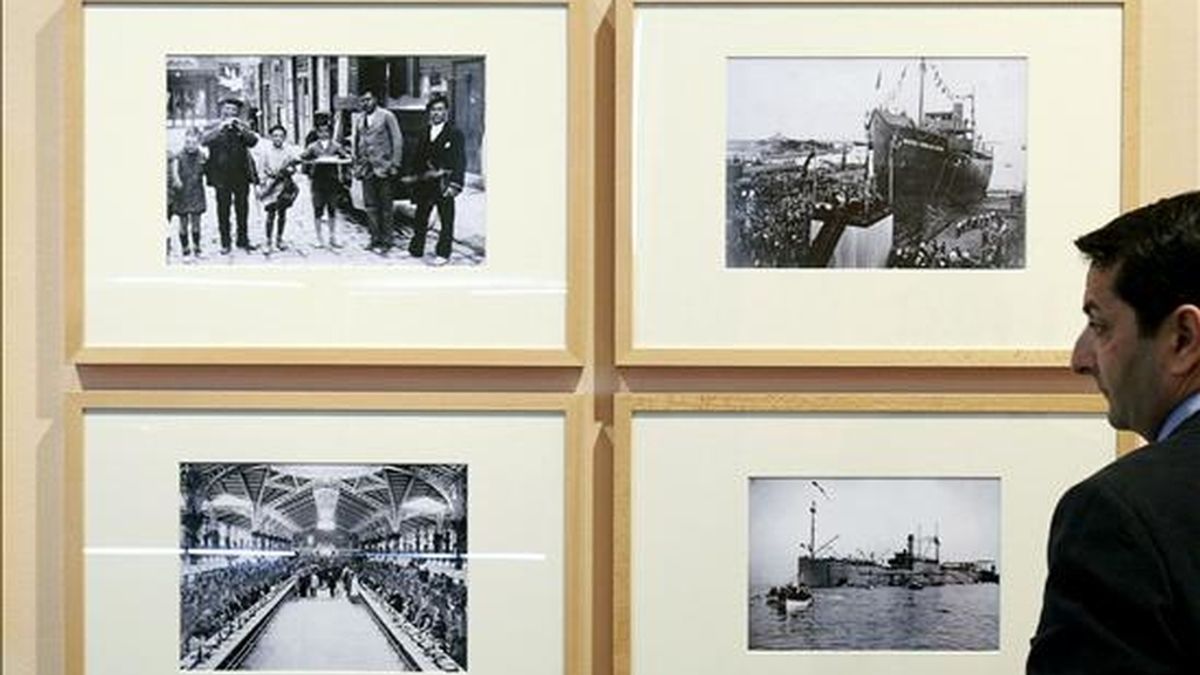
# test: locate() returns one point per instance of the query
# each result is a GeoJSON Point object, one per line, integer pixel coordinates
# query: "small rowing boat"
{"type": "Point", "coordinates": [790, 598]}
{"type": "Point", "coordinates": [797, 606]}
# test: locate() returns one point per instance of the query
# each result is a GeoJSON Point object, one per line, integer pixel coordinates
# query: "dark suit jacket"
{"type": "Point", "coordinates": [446, 153]}
{"type": "Point", "coordinates": [1123, 592]}
{"type": "Point", "coordinates": [229, 160]}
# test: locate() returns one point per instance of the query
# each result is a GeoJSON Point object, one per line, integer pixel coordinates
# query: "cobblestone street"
{"type": "Point", "coordinates": [302, 246]}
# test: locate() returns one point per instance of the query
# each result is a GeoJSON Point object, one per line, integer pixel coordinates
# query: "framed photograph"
{"type": "Point", "coordinates": [326, 533]}
{"type": "Point", "coordinates": [880, 570]}
{"type": "Point", "coordinates": [830, 533]}
{"type": "Point", "coordinates": [928, 161]}
{"type": "Point", "coordinates": [231, 122]}
{"type": "Point", "coordinates": [886, 198]}
{"type": "Point", "coordinates": [340, 184]}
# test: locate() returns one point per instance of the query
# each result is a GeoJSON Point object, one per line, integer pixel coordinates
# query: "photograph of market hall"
{"type": "Point", "coordinates": [323, 567]}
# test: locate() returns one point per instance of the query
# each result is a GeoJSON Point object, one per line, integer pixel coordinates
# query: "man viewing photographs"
{"type": "Point", "coordinates": [1122, 591]}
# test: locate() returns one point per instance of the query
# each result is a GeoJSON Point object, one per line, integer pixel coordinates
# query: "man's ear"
{"type": "Point", "coordinates": [1184, 327]}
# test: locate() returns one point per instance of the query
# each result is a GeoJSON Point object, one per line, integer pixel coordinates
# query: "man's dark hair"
{"type": "Point", "coordinates": [437, 98]}
{"type": "Point", "coordinates": [1155, 251]}
{"type": "Point", "coordinates": [276, 126]}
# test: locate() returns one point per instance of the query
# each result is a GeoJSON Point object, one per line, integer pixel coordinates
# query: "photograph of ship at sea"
{"type": "Point", "coordinates": [876, 163]}
{"type": "Point", "coordinates": [853, 564]}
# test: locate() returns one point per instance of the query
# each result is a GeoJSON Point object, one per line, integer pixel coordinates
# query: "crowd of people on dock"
{"type": "Point", "coordinates": [771, 215]}
{"type": "Point", "coordinates": [996, 249]}
{"type": "Point", "coordinates": [770, 221]}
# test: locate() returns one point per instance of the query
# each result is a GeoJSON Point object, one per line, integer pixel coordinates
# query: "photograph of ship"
{"type": "Point", "coordinates": [323, 567]}
{"type": "Point", "coordinates": [313, 159]}
{"type": "Point", "coordinates": [876, 163]}
{"type": "Point", "coordinates": [874, 564]}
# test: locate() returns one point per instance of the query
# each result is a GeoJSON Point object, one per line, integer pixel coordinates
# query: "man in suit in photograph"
{"type": "Point", "coordinates": [378, 152]}
{"type": "Point", "coordinates": [230, 170]}
{"type": "Point", "coordinates": [1123, 590]}
{"type": "Point", "coordinates": [438, 167]}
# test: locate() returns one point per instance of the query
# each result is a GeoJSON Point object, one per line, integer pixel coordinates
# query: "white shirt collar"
{"type": "Point", "coordinates": [435, 129]}
{"type": "Point", "coordinates": [1188, 407]}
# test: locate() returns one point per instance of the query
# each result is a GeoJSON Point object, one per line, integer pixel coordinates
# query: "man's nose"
{"type": "Point", "coordinates": [1082, 362]}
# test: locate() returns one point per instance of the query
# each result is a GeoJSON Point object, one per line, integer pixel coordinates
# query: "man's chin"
{"type": "Point", "coordinates": [1118, 420]}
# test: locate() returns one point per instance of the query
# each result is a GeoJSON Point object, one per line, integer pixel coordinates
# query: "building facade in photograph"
{"type": "Point", "coordinates": [290, 90]}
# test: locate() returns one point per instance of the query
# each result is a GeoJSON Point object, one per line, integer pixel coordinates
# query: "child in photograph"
{"type": "Point", "coordinates": [277, 190]}
{"type": "Point", "coordinates": [172, 189]}
{"type": "Point", "coordinates": [325, 154]}
{"type": "Point", "coordinates": [190, 200]}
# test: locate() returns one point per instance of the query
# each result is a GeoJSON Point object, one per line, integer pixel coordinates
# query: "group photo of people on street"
{"type": "Point", "coordinates": [345, 160]}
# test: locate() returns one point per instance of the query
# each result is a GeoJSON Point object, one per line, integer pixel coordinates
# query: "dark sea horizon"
{"type": "Point", "coordinates": [944, 618]}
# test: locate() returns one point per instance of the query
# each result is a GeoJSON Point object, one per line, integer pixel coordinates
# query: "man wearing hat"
{"type": "Point", "coordinates": [229, 170]}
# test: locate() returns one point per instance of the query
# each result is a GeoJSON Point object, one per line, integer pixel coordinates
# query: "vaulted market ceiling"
{"type": "Point", "coordinates": [362, 500]}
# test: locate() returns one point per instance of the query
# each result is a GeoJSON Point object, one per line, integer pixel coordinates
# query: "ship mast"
{"type": "Point", "coordinates": [812, 530]}
{"type": "Point", "coordinates": [813, 524]}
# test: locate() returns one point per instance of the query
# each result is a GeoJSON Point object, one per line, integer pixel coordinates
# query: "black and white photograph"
{"type": "Point", "coordinates": [325, 160]}
{"type": "Point", "coordinates": [855, 163]}
{"type": "Point", "coordinates": [898, 564]}
{"type": "Point", "coordinates": [323, 567]}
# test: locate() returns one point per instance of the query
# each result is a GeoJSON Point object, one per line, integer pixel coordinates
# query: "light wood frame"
{"type": "Point", "coordinates": [577, 485]}
{"type": "Point", "coordinates": [577, 220]}
{"type": "Point", "coordinates": [627, 405]}
{"type": "Point", "coordinates": [628, 354]}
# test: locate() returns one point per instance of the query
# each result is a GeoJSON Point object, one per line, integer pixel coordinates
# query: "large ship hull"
{"type": "Point", "coordinates": [916, 169]}
{"type": "Point", "coordinates": [831, 573]}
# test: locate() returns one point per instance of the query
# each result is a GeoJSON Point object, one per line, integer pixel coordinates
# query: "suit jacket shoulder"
{"type": "Point", "coordinates": [1123, 588]}
{"type": "Point", "coordinates": [1153, 479]}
